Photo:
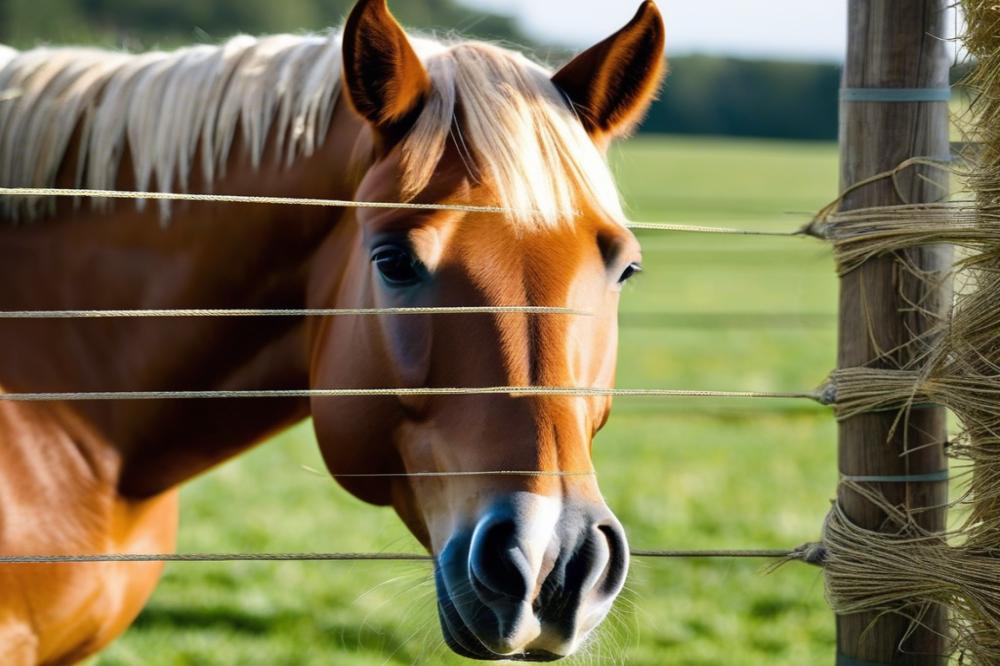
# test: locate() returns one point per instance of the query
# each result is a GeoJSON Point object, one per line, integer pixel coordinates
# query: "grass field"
{"type": "Point", "coordinates": [680, 474]}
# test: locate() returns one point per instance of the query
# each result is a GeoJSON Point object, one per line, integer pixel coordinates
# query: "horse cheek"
{"type": "Point", "coordinates": [408, 341]}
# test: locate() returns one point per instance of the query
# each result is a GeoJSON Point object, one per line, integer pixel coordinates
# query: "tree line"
{"type": "Point", "coordinates": [703, 95]}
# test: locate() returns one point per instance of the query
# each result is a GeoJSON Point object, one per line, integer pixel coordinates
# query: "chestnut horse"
{"type": "Point", "coordinates": [526, 566]}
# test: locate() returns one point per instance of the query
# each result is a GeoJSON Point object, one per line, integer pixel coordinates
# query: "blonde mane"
{"type": "Point", "coordinates": [514, 129]}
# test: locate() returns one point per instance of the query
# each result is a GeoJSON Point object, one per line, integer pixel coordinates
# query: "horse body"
{"type": "Point", "coordinates": [101, 477]}
{"type": "Point", "coordinates": [54, 499]}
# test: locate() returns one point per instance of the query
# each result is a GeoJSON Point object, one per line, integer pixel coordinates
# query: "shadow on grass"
{"type": "Point", "coordinates": [208, 618]}
{"type": "Point", "coordinates": [370, 635]}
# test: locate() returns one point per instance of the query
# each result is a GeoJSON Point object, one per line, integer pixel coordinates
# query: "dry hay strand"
{"type": "Point", "coordinates": [971, 346]}
{"type": "Point", "coordinates": [970, 392]}
{"type": "Point", "coordinates": [859, 235]}
{"type": "Point", "coordinates": [907, 571]}
{"type": "Point", "coordinates": [969, 221]}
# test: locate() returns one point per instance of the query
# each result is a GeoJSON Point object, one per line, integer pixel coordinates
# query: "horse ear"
{"type": "Point", "coordinates": [383, 76]}
{"type": "Point", "coordinates": [611, 85]}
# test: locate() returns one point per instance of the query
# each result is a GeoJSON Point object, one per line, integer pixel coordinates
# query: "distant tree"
{"type": "Point", "coordinates": [148, 23]}
{"type": "Point", "coordinates": [732, 96]}
{"type": "Point", "coordinates": [703, 95]}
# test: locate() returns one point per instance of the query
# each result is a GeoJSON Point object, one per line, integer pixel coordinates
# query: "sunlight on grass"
{"type": "Point", "coordinates": [680, 474]}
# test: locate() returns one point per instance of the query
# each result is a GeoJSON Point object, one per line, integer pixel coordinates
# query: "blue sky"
{"type": "Point", "coordinates": [801, 29]}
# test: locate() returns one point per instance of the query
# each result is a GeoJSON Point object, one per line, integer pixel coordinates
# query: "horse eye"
{"type": "Point", "coordinates": [397, 266]}
{"type": "Point", "coordinates": [630, 271]}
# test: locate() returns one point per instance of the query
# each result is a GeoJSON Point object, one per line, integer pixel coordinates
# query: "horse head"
{"type": "Point", "coordinates": [529, 562]}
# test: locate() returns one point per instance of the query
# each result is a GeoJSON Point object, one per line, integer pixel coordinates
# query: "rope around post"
{"type": "Point", "coordinates": [864, 233]}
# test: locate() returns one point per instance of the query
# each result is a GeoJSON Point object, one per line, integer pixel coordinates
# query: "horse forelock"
{"type": "Point", "coordinates": [516, 133]}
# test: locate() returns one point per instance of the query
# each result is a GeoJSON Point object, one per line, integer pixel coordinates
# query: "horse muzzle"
{"type": "Point", "coordinates": [531, 579]}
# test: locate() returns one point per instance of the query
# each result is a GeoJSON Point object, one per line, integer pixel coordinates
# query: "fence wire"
{"type": "Point", "coordinates": [581, 392]}
{"type": "Point", "coordinates": [343, 203]}
{"type": "Point", "coordinates": [801, 553]}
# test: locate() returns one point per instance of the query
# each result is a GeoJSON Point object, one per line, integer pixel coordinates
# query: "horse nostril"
{"type": "Point", "coordinates": [589, 574]}
{"type": "Point", "coordinates": [498, 567]}
{"type": "Point", "coordinates": [617, 567]}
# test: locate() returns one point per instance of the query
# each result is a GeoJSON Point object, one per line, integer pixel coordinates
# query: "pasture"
{"type": "Point", "coordinates": [709, 312]}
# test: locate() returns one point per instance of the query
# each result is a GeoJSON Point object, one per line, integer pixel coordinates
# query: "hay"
{"type": "Point", "coordinates": [909, 571]}
{"type": "Point", "coordinates": [865, 233]}
{"type": "Point", "coordinates": [905, 569]}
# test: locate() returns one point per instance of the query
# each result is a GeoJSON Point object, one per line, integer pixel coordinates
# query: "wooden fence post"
{"type": "Point", "coordinates": [893, 44]}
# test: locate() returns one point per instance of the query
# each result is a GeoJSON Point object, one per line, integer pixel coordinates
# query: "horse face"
{"type": "Point", "coordinates": [499, 488]}
{"type": "Point", "coordinates": [527, 564]}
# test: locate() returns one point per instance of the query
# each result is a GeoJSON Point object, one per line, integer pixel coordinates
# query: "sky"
{"type": "Point", "coordinates": [799, 29]}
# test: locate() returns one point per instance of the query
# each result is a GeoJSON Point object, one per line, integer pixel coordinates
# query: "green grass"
{"type": "Point", "coordinates": [680, 474]}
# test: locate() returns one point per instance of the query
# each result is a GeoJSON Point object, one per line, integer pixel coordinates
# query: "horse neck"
{"type": "Point", "coordinates": [204, 256]}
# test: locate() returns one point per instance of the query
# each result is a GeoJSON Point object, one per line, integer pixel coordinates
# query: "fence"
{"type": "Point", "coordinates": [908, 590]}
{"type": "Point", "coordinates": [895, 79]}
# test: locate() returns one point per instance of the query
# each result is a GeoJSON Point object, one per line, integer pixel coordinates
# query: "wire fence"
{"type": "Point", "coordinates": [806, 553]}
{"type": "Point", "coordinates": [567, 391]}
{"type": "Point", "coordinates": [278, 312]}
{"type": "Point", "coordinates": [42, 192]}
{"type": "Point", "coordinates": [699, 320]}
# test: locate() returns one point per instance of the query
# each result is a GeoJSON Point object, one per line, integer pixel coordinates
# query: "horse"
{"type": "Point", "coordinates": [526, 565]}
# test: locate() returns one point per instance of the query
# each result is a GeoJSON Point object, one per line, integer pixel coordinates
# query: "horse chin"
{"type": "Point", "coordinates": [463, 642]}
{"type": "Point", "coordinates": [459, 637]}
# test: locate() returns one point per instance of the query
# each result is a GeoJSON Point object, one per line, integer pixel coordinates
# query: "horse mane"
{"type": "Point", "coordinates": [513, 127]}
